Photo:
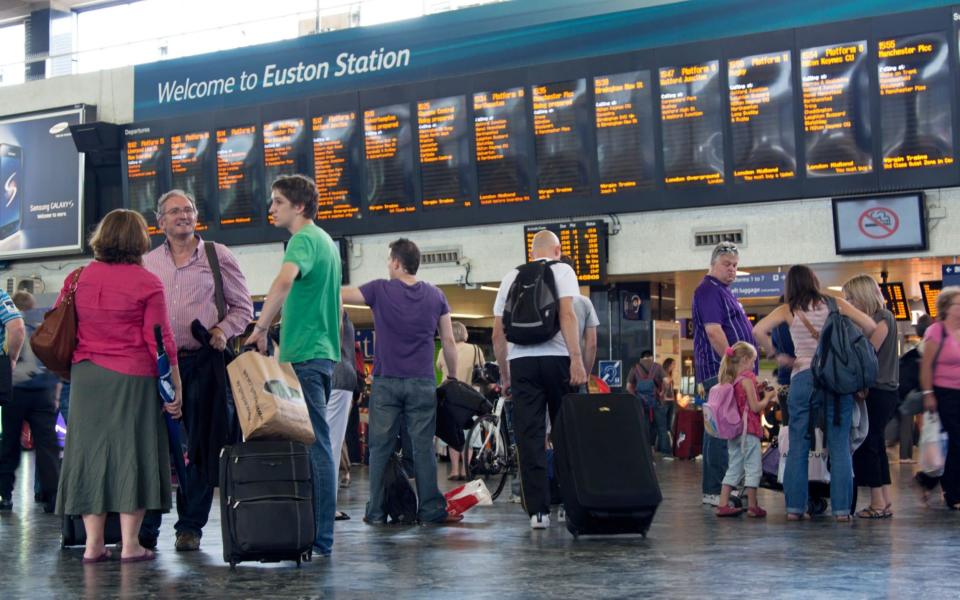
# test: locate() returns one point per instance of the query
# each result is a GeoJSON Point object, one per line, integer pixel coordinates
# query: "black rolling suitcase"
{"type": "Point", "coordinates": [604, 464]}
{"type": "Point", "coordinates": [72, 532]}
{"type": "Point", "coordinates": [266, 502]}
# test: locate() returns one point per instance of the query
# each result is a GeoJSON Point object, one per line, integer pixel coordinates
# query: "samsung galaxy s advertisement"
{"type": "Point", "coordinates": [41, 185]}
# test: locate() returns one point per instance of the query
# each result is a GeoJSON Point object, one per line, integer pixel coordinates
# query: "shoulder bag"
{"type": "Point", "coordinates": [55, 339]}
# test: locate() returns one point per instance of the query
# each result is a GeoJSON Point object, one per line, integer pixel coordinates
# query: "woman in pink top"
{"type": "Point", "coordinates": [940, 382]}
{"type": "Point", "coordinates": [116, 457]}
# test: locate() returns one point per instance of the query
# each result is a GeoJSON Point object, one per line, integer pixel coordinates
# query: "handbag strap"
{"type": "Point", "coordinates": [72, 290]}
{"type": "Point", "coordinates": [211, 249]}
{"type": "Point", "coordinates": [813, 332]}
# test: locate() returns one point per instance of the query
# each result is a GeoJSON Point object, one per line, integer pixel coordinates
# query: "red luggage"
{"type": "Point", "coordinates": [688, 434]}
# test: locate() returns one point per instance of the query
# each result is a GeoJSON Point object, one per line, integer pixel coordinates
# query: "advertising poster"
{"type": "Point", "coordinates": [41, 185]}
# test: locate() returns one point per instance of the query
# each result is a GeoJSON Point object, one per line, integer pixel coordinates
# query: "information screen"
{"type": "Point", "coordinates": [236, 175]}
{"type": "Point", "coordinates": [145, 159]}
{"type": "Point", "coordinates": [332, 135]}
{"type": "Point", "coordinates": [896, 298]}
{"type": "Point", "coordinates": [444, 147]}
{"type": "Point", "coordinates": [389, 160]}
{"type": "Point", "coordinates": [625, 151]}
{"type": "Point", "coordinates": [691, 122]}
{"type": "Point", "coordinates": [916, 125]}
{"type": "Point", "coordinates": [929, 292]}
{"type": "Point", "coordinates": [188, 155]}
{"type": "Point", "coordinates": [561, 164]}
{"type": "Point", "coordinates": [500, 128]}
{"type": "Point", "coordinates": [583, 241]}
{"type": "Point", "coordinates": [761, 118]}
{"type": "Point", "coordinates": [836, 109]}
{"type": "Point", "coordinates": [281, 145]}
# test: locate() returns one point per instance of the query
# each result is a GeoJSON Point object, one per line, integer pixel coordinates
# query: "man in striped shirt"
{"type": "Point", "coordinates": [182, 263]}
{"type": "Point", "coordinates": [719, 321]}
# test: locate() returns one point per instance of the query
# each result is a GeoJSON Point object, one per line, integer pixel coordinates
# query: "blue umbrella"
{"type": "Point", "coordinates": [165, 385]}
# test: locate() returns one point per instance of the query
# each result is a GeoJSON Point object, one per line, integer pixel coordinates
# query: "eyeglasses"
{"type": "Point", "coordinates": [185, 211]}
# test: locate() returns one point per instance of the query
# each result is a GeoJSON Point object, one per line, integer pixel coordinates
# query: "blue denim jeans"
{"type": "Point", "coordinates": [315, 376]}
{"type": "Point", "coordinates": [412, 402]}
{"type": "Point", "coordinates": [803, 404]}
{"type": "Point", "coordinates": [663, 418]}
{"type": "Point", "coordinates": [715, 460]}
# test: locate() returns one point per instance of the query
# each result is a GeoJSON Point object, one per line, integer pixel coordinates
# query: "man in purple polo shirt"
{"type": "Point", "coordinates": [407, 314]}
{"type": "Point", "coordinates": [719, 321]}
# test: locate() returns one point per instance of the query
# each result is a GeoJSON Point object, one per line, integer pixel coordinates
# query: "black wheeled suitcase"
{"type": "Point", "coordinates": [604, 464]}
{"type": "Point", "coordinates": [266, 502]}
{"type": "Point", "coordinates": [72, 532]}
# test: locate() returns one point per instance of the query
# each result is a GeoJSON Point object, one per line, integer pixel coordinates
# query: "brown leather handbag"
{"type": "Point", "coordinates": [56, 338]}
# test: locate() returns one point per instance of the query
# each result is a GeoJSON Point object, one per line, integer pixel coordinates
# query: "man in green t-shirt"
{"type": "Point", "coordinates": [308, 289]}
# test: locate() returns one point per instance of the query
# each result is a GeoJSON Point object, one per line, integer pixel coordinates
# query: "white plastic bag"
{"type": "Point", "coordinates": [933, 445]}
{"type": "Point", "coordinates": [816, 463]}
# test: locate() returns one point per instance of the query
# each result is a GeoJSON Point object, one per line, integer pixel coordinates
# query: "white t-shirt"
{"type": "Point", "coordinates": [567, 287]}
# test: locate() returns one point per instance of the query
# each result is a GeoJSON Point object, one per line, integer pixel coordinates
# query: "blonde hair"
{"type": "Point", "coordinates": [738, 358]}
{"type": "Point", "coordinates": [945, 299]}
{"type": "Point", "coordinates": [863, 292]}
{"type": "Point", "coordinates": [459, 332]}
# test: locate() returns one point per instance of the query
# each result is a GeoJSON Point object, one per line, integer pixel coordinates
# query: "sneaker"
{"type": "Point", "coordinates": [515, 499]}
{"type": "Point", "coordinates": [711, 499]}
{"type": "Point", "coordinates": [6, 504]}
{"type": "Point", "coordinates": [667, 457]}
{"type": "Point", "coordinates": [187, 541]}
{"type": "Point", "coordinates": [561, 515]}
{"type": "Point", "coordinates": [539, 521]}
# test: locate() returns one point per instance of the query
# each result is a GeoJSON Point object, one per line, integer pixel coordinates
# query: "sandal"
{"type": "Point", "coordinates": [146, 556]}
{"type": "Point", "coordinates": [798, 517]}
{"type": "Point", "coordinates": [871, 513]}
{"type": "Point", "coordinates": [341, 516]}
{"type": "Point", "coordinates": [99, 559]}
{"type": "Point", "coordinates": [728, 511]}
{"type": "Point", "coordinates": [887, 513]}
{"type": "Point", "coordinates": [844, 518]}
{"type": "Point", "coordinates": [756, 512]}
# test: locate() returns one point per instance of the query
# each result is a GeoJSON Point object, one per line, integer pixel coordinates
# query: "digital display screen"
{"type": "Point", "coordinates": [836, 109]}
{"type": "Point", "coordinates": [625, 150]}
{"type": "Point", "coordinates": [561, 164]}
{"type": "Point", "coordinates": [583, 241]}
{"type": "Point", "coordinates": [444, 147]}
{"type": "Point", "coordinates": [896, 298]}
{"type": "Point", "coordinates": [691, 122]}
{"type": "Point", "coordinates": [145, 159]}
{"type": "Point", "coordinates": [916, 125]}
{"type": "Point", "coordinates": [500, 129]}
{"type": "Point", "coordinates": [237, 175]}
{"type": "Point", "coordinates": [332, 135]}
{"type": "Point", "coordinates": [389, 160]}
{"type": "Point", "coordinates": [188, 157]}
{"type": "Point", "coordinates": [761, 118]}
{"type": "Point", "coordinates": [929, 292]}
{"type": "Point", "coordinates": [282, 143]}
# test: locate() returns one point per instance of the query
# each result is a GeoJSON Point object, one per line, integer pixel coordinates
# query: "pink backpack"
{"type": "Point", "coordinates": [721, 419]}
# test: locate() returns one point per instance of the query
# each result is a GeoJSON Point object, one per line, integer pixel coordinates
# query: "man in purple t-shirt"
{"type": "Point", "coordinates": [719, 321]}
{"type": "Point", "coordinates": [406, 316]}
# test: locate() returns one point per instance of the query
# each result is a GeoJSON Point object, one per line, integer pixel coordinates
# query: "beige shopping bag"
{"type": "Point", "coordinates": [269, 399]}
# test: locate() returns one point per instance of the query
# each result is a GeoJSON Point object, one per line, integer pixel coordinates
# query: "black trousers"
{"type": "Point", "coordinates": [871, 468]}
{"type": "Point", "coordinates": [948, 405]}
{"type": "Point", "coordinates": [538, 385]}
{"type": "Point", "coordinates": [37, 407]}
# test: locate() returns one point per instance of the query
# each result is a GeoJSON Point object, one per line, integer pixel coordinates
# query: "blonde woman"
{"type": "Point", "coordinates": [871, 467]}
{"type": "Point", "coordinates": [468, 356]}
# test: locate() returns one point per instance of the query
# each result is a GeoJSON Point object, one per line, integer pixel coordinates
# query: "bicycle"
{"type": "Point", "coordinates": [488, 450]}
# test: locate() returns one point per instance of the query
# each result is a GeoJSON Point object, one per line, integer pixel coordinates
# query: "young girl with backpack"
{"type": "Point", "coordinates": [752, 397]}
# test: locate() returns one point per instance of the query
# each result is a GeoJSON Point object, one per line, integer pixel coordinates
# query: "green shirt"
{"type": "Point", "coordinates": [310, 328]}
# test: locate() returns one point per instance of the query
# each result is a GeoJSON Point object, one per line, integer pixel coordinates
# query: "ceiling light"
{"type": "Point", "coordinates": [835, 288]}
{"type": "Point", "coordinates": [489, 289]}
{"type": "Point", "coordinates": [467, 316]}
{"type": "Point", "coordinates": [357, 306]}
{"type": "Point", "coordinates": [742, 273]}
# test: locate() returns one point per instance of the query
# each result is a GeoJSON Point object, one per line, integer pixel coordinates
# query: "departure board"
{"type": "Point", "coordinates": [691, 121]}
{"type": "Point", "coordinates": [929, 292]}
{"type": "Point", "coordinates": [145, 159]}
{"type": "Point", "coordinates": [444, 146]}
{"type": "Point", "coordinates": [561, 163]}
{"type": "Point", "coordinates": [389, 160]}
{"type": "Point", "coordinates": [236, 175]}
{"type": "Point", "coordinates": [332, 137]}
{"type": "Point", "coordinates": [896, 299]}
{"type": "Point", "coordinates": [188, 157]}
{"type": "Point", "coordinates": [583, 241]}
{"type": "Point", "coordinates": [836, 109]}
{"type": "Point", "coordinates": [761, 118]}
{"type": "Point", "coordinates": [500, 130]}
{"type": "Point", "coordinates": [624, 117]}
{"type": "Point", "coordinates": [916, 124]}
{"type": "Point", "coordinates": [281, 144]}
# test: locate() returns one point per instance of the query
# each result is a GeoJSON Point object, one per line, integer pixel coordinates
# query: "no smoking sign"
{"type": "Point", "coordinates": [878, 223]}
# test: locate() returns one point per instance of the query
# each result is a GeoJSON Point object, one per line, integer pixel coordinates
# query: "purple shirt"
{"type": "Point", "coordinates": [405, 318]}
{"type": "Point", "coordinates": [713, 302]}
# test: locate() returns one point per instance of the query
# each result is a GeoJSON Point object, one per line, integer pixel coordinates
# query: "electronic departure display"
{"type": "Point", "coordinates": [332, 139]}
{"type": "Point", "coordinates": [691, 122]}
{"type": "Point", "coordinates": [561, 163]}
{"type": "Point", "coordinates": [237, 175]}
{"type": "Point", "coordinates": [500, 129]}
{"type": "Point", "coordinates": [916, 126]}
{"type": "Point", "coordinates": [282, 143]}
{"type": "Point", "coordinates": [583, 241]}
{"type": "Point", "coordinates": [761, 118]}
{"type": "Point", "coordinates": [896, 298]}
{"type": "Point", "coordinates": [444, 146]}
{"type": "Point", "coordinates": [929, 292]}
{"type": "Point", "coordinates": [188, 159]}
{"type": "Point", "coordinates": [625, 150]}
{"type": "Point", "coordinates": [145, 161]}
{"type": "Point", "coordinates": [389, 160]}
{"type": "Point", "coordinates": [836, 109]}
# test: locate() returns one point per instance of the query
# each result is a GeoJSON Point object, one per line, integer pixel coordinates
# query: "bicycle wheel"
{"type": "Point", "coordinates": [485, 453]}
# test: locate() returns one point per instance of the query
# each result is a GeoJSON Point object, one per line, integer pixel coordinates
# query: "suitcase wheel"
{"type": "Point", "coordinates": [233, 565]}
{"type": "Point", "coordinates": [299, 559]}
{"type": "Point", "coordinates": [307, 556]}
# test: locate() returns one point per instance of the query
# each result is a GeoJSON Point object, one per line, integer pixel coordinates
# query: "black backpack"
{"type": "Point", "coordinates": [399, 497]}
{"type": "Point", "coordinates": [531, 313]}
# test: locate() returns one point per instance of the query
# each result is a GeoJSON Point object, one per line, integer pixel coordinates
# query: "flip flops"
{"type": "Point", "coordinates": [99, 559]}
{"type": "Point", "coordinates": [146, 556]}
{"type": "Point", "coordinates": [871, 513]}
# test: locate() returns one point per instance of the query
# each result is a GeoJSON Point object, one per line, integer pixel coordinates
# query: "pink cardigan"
{"type": "Point", "coordinates": [117, 307]}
